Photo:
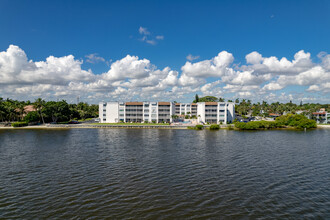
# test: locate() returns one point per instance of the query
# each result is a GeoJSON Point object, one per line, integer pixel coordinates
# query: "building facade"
{"type": "Point", "coordinates": [158, 112]}
{"type": "Point", "coordinates": [321, 116]}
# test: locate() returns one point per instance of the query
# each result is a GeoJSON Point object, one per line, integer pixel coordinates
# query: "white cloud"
{"type": "Point", "coordinates": [144, 31]}
{"type": "Point", "coordinates": [265, 65]}
{"type": "Point", "coordinates": [94, 58]}
{"type": "Point", "coordinates": [129, 67]}
{"type": "Point", "coordinates": [16, 69]}
{"type": "Point", "coordinates": [148, 37]}
{"type": "Point", "coordinates": [160, 37]}
{"type": "Point", "coordinates": [273, 86]}
{"type": "Point", "coordinates": [134, 78]}
{"type": "Point", "coordinates": [192, 58]}
{"type": "Point", "coordinates": [254, 58]}
{"type": "Point", "coordinates": [215, 67]}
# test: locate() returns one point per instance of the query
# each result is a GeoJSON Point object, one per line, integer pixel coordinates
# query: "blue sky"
{"type": "Point", "coordinates": [165, 33]}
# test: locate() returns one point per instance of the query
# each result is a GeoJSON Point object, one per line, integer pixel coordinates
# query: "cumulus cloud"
{"type": "Point", "coordinates": [215, 67]}
{"type": "Point", "coordinates": [129, 67]}
{"type": "Point", "coordinates": [275, 66]}
{"type": "Point", "coordinates": [16, 69]}
{"type": "Point", "coordinates": [135, 78]}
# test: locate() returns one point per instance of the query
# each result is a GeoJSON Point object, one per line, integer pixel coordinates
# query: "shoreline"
{"type": "Point", "coordinates": [84, 126]}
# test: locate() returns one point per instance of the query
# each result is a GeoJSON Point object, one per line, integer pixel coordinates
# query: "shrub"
{"type": "Point", "coordinates": [32, 117]}
{"type": "Point", "coordinates": [214, 127]}
{"type": "Point", "coordinates": [199, 127]}
{"type": "Point", "coordinates": [297, 121]}
{"type": "Point", "coordinates": [19, 124]}
{"type": "Point", "coordinates": [254, 125]}
{"type": "Point", "coordinates": [306, 123]}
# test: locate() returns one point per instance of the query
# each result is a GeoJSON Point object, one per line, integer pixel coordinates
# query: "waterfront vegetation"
{"type": "Point", "coordinates": [127, 124]}
{"type": "Point", "coordinates": [284, 121]}
{"type": "Point", "coordinates": [41, 111]}
{"type": "Point", "coordinates": [197, 127]}
{"type": "Point", "coordinates": [19, 124]}
{"type": "Point", "coordinates": [214, 127]}
{"type": "Point", "coordinates": [61, 112]}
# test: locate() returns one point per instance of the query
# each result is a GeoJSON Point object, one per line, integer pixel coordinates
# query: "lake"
{"type": "Point", "coordinates": [164, 174]}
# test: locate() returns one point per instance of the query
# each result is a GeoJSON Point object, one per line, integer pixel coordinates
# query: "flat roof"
{"type": "Point", "coordinates": [134, 103]}
{"type": "Point", "coordinates": [211, 103]}
{"type": "Point", "coordinates": [164, 103]}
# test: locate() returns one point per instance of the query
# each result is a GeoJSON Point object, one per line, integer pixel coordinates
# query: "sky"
{"type": "Point", "coordinates": [165, 50]}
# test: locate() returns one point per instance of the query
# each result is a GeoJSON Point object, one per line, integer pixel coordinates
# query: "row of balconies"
{"type": "Point", "coordinates": [134, 115]}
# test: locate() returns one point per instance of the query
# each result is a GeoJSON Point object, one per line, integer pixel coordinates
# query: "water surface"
{"type": "Point", "coordinates": [164, 174]}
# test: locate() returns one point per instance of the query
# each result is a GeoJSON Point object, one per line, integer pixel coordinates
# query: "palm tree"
{"type": "Point", "coordinates": [38, 105]}
{"type": "Point", "coordinates": [21, 109]}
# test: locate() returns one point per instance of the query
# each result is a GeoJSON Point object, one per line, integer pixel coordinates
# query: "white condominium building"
{"type": "Point", "coordinates": [157, 112]}
{"type": "Point", "coordinates": [111, 112]}
{"type": "Point", "coordinates": [186, 109]}
{"type": "Point", "coordinates": [216, 112]}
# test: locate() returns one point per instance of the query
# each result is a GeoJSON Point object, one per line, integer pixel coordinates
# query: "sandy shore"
{"type": "Point", "coordinates": [323, 126]}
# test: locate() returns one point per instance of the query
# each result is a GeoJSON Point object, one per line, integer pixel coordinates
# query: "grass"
{"type": "Point", "coordinates": [87, 119]}
{"type": "Point", "coordinates": [197, 127]}
{"type": "Point", "coordinates": [127, 124]}
{"type": "Point", "coordinates": [19, 124]}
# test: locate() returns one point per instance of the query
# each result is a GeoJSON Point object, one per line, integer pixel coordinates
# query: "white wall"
{"type": "Point", "coordinates": [112, 112]}
{"type": "Point", "coordinates": [230, 112]}
{"type": "Point", "coordinates": [201, 111]}
{"type": "Point", "coordinates": [101, 112]}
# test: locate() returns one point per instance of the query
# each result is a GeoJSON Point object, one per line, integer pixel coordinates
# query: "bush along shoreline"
{"type": "Point", "coordinates": [284, 121]}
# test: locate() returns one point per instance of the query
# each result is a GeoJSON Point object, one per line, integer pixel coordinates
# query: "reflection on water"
{"type": "Point", "coordinates": [150, 173]}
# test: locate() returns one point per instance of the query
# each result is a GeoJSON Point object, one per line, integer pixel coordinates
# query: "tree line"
{"type": "Point", "coordinates": [45, 111]}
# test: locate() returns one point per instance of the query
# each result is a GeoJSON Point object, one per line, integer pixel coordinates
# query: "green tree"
{"type": "Point", "coordinates": [38, 105]}
{"type": "Point", "coordinates": [32, 117]}
{"type": "Point", "coordinates": [208, 99]}
{"type": "Point", "coordinates": [196, 99]}
{"type": "Point", "coordinates": [57, 111]}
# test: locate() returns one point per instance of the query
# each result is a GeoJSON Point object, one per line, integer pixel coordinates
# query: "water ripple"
{"type": "Point", "coordinates": [164, 174]}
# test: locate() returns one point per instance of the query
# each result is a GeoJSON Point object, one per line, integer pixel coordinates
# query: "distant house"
{"type": "Point", "coordinates": [27, 109]}
{"type": "Point", "coordinates": [321, 116]}
{"type": "Point", "coordinates": [273, 115]}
